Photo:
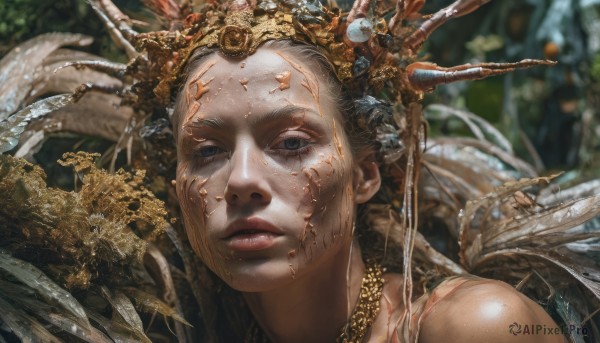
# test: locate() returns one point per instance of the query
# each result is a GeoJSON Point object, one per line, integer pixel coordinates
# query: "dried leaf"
{"type": "Point", "coordinates": [24, 326]}
{"type": "Point", "coordinates": [478, 126]}
{"type": "Point", "coordinates": [588, 277]}
{"type": "Point", "coordinates": [159, 268]}
{"type": "Point", "coordinates": [27, 300]}
{"type": "Point", "coordinates": [17, 68]}
{"type": "Point", "coordinates": [11, 129]}
{"type": "Point", "coordinates": [125, 313]}
{"type": "Point", "coordinates": [52, 77]}
{"type": "Point", "coordinates": [104, 117]}
{"type": "Point", "coordinates": [549, 228]}
{"type": "Point", "coordinates": [117, 331]}
{"type": "Point", "coordinates": [42, 285]}
{"type": "Point", "coordinates": [557, 195]}
{"type": "Point", "coordinates": [150, 304]}
{"type": "Point", "coordinates": [485, 151]}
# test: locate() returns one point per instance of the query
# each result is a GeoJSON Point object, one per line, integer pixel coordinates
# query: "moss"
{"type": "Point", "coordinates": [95, 235]}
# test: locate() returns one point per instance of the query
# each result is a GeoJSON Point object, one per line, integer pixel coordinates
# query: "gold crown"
{"type": "Point", "coordinates": [361, 44]}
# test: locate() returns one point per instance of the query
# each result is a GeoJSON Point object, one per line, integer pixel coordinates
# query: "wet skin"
{"type": "Point", "coordinates": [252, 148]}
{"type": "Point", "coordinates": [268, 189]}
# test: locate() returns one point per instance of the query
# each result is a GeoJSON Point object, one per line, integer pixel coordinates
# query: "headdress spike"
{"type": "Point", "coordinates": [455, 10]}
{"type": "Point", "coordinates": [425, 76]}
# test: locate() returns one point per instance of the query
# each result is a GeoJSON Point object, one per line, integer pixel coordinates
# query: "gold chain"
{"type": "Point", "coordinates": [367, 308]}
{"type": "Point", "coordinates": [362, 317]}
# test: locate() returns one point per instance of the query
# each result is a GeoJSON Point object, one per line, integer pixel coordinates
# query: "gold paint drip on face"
{"type": "Point", "coordinates": [201, 88]}
{"type": "Point", "coordinates": [188, 190]}
{"type": "Point", "coordinates": [312, 183]}
{"type": "Point", "coordinates": [338, 143]}
{"type": "Point", "coordinates": [205, 67]}
{"type": "Point", "coordinates": [191, 113]}
{"type": "Point", "coordinates": [309, 82]}
{"type": "Point", "coordinates": [284, 80]}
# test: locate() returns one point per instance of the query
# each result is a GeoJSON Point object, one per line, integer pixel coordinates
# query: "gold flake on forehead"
{"type": "Point", "coordinates": [284, 79]}
{"type": "Point", "coordinates": [200, 86]}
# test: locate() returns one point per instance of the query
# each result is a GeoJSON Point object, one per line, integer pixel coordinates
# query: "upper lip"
{"type": "Point", "coordinates": [253, 223]}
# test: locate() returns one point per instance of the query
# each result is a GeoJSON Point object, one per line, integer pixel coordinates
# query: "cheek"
{"type": "Point", "coordinates": [193, 201]}
{"type": "Point", "coordinates": [327, 201]}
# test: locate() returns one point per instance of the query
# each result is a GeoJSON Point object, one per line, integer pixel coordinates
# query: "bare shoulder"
{"type": "Point", "coordinates": [482, 310]}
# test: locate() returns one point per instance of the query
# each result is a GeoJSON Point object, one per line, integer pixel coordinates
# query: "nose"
{"type": "Point", "coordinates": [247, 182]}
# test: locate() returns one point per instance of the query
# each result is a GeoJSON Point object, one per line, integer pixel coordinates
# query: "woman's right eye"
{"type": "Point", "coordinates": [209, 151]}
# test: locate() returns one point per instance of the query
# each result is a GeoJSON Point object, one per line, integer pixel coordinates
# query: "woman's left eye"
{"type": "Point", "coordinates": [294, 143]}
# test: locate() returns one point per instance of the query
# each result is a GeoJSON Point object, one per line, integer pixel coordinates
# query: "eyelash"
{"type": "Point", "coordinates": [306, 148]}
{"type": "Point", "coordinates": [207, 159]}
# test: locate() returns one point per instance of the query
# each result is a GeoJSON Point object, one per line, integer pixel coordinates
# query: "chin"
{"type": "Point", "coordinates": [258, 275]}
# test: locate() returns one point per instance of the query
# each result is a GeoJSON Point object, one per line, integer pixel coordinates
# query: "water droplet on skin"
{"type": "Point", "coordinates": [360, 30]}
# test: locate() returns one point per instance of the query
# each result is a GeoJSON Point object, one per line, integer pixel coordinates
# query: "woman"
{"type": "Point", "coordinates": [297, 179]}
{"type": "Point", "coordinates": [269, 184]}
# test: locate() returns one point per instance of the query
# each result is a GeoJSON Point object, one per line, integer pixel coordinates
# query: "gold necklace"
{"type": "Point", "coordinates": [362, 317]}
{"type": "Point", "coordinates": [367, 307]}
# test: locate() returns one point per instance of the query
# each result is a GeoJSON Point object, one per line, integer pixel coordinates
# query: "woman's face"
{"type": "Point", "coordinates": [265, 173]}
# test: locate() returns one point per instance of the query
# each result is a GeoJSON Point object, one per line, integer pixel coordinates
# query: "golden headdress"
{"type": "Point", "coordinates": [365, 43]}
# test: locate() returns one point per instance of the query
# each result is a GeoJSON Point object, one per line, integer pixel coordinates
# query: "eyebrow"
{"type": "Point", "coordinates": [278, 114]}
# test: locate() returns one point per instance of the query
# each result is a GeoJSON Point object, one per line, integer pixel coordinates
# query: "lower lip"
{"type": "Point", "coordinates": [252, 242]}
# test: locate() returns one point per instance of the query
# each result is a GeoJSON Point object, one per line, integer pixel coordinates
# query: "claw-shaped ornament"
{"type": "Point", "coordinates": [425, 76]}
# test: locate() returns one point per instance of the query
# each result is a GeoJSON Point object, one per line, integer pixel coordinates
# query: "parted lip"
{"type": "Point", "coordinates": [250, 224]}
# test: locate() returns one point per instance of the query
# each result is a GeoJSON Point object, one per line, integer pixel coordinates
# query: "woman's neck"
{"type": "Point", "coordinates": [314, 307]}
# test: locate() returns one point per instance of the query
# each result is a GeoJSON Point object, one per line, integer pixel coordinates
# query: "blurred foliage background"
{"type": "Point", "coordinates": [549, 114]}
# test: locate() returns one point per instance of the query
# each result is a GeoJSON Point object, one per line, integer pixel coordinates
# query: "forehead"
{"type": "Point", "coordinates": [257, 84]}
{"type": "Point", "coordinates": [263, 62]}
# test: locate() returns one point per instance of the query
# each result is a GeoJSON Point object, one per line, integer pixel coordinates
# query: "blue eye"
{"type": "Point", "coordinates": [294, 143]}
{"type": "Point", "coordinates": [209, 151]}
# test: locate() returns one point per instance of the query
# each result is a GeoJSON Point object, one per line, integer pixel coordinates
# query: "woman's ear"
{"type": "Point", "coordinates": [367, 179]}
